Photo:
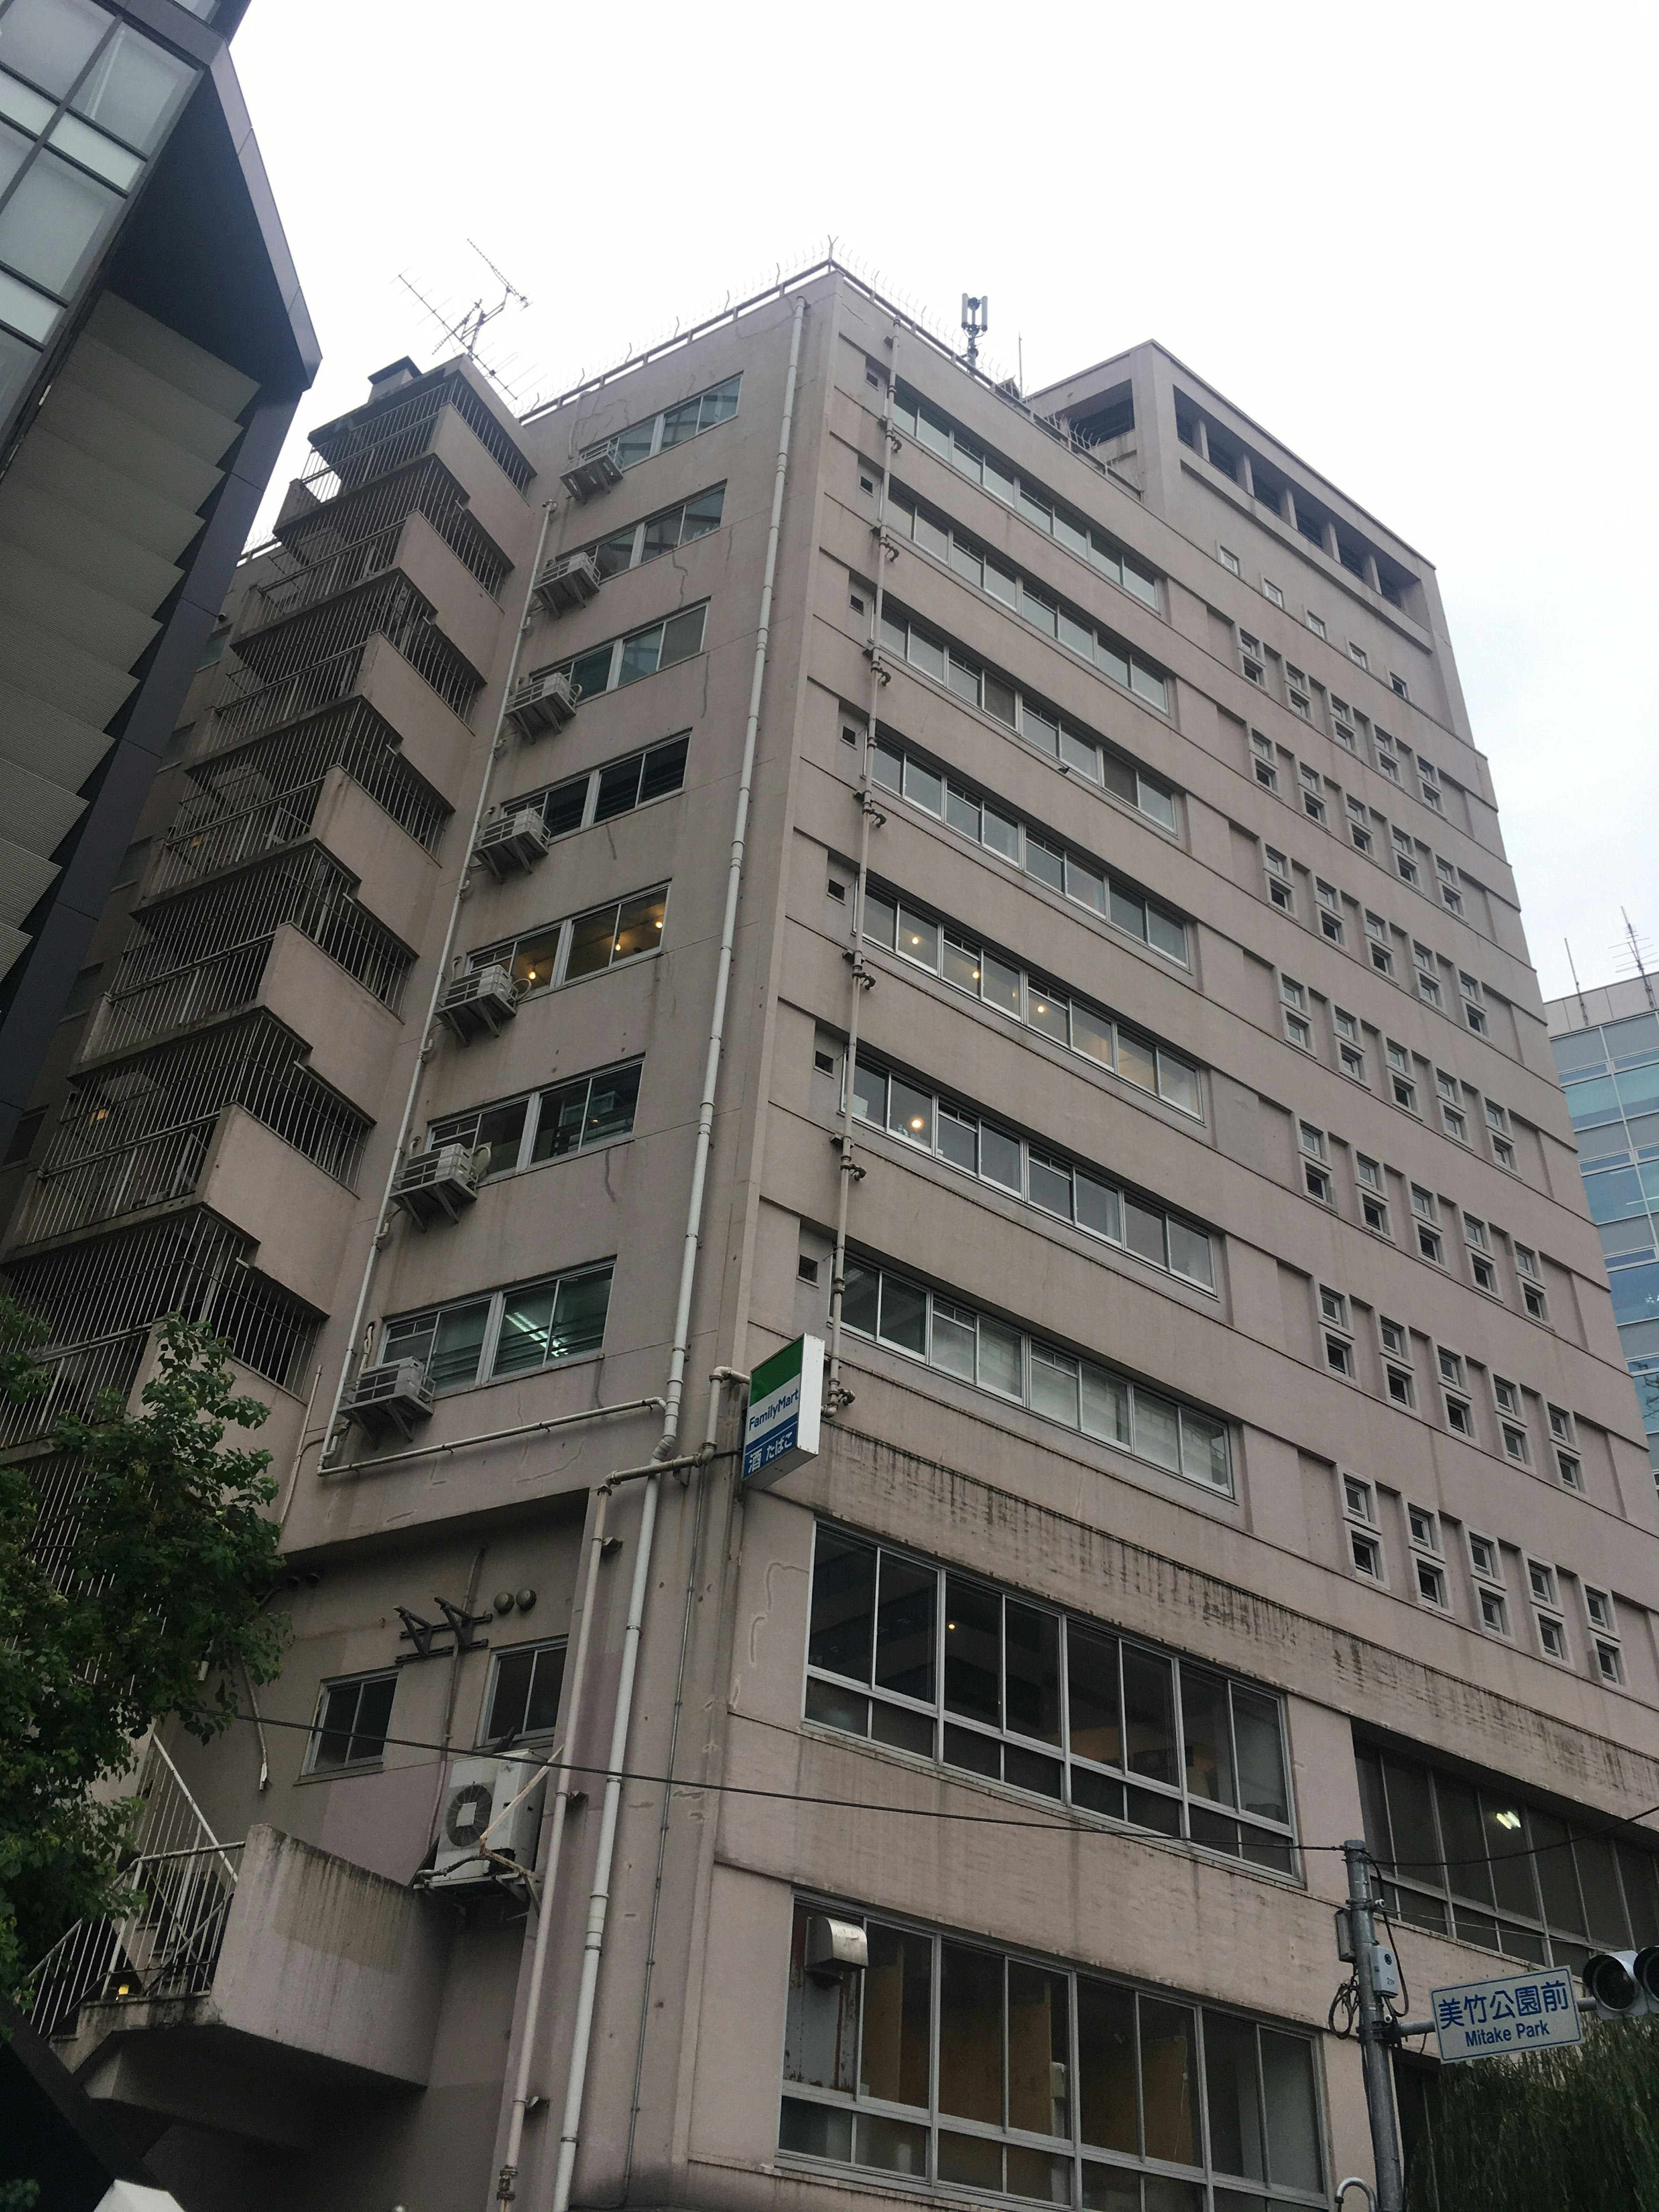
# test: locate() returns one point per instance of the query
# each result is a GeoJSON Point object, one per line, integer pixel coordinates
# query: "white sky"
{"type": "Point", "coordinates": [1414, 241]}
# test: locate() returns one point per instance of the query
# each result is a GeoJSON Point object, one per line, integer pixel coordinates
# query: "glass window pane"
{"type": "Point", "coordinates": [903, 1314]}
{"type": "Point", "coordinates": [1166, 935]}
{"type": "Point", "coordinates": [337, 1710]}
{"type": "Point", "coordinates": [1411, 1816]}
{"type": "Point", "coordinates": [1047, 1010]}
{"type": "Point", "coordinates": [967, 562]}
{"type": "Point", "coordinates": [559, 1127]}
{"type": "Point", "coordinates": [999, 1156]}
{"type": "Point", "coordinates": [1050, 1184]}
{"type": "Point", "coordinates": [889, 768]}
{"type": "Point", "coordinates": [962, 963]}
{"type": "Point", "coordinates": [1511, 1868]}
{"type": "Point", "coordinates": [1084, 885]}
{"type": "Point", "coordinates": [1260, 1755]}
{"type": "Point", "coordinates": [527, 1329]}
{"type": "Point", "coordinates": [664, 769]}
{"type": "Point", "coordinates": [1039, 2054]}
{"type": "Point", "coordinates": [1137, 1060]}
{"type": "Point", "coordinates": [1293, 2161]}
{"type": "Point", "coordinates": [1178, 1082]}
{"type": "Point", "coordinates": [1149, 685]}
{"type": "Point", "coordinates": [639, 926]}
{"type": "Point", "coordinates": [1128, 912]}
{"type": "Point", "coordinates": [541, 1712]}
{"type": "Point", "coordinates": [959, 1139]}
{"type": "Point", "coordinates": [563, 808]}
{"type": "Point", "coordinates": [962, 811]}
{"type": "Point", "coordinates": [970, 2033]}
{"type": "Point", "coordinates": [1105, 1407]}
{"type": "Point", "coordinates": [1114, 662]}
{"type": "Point", "coordinates": [1046, 862]}
{"type": "Point", "coordinates": [880, 915]}
{"type": "Point", "coordinates": [1107, 2084]}
{"type": "Point", "coordinates": [898, 1988]}
{"type": "Point", "coordinates": [592, 936]}
{"type": "Point", "coordinates": [922, 786]}
{"type": "Point", "coordinates": [1169, 2081]}
{"type": "Point", "coordinates": [1206, 1735]}
{"type": "Point", "coordinates": [55, 224]}
{"type": "Point", "coordinates": [973, 1651]}
{"type": "Point", "coordinates": [499, 1133]}
{"type": "Point", "coordinates": [619, 787]}
{"type": "Point", "coordinates": [1143, 1225]}
{"type": "Point", "coordinates": [904, 1628]}
{"type": "Point", "coordinates": [1001, 834]}
{"type": "Point", "coordinates": [1092, 1693]}
{"type": "Point", "coordinates": [1231, 2093]}
{"type": "Point", "coordinates": [843, 1604]}
{"type": "Point", "coordinates": [928, 656]}
{"type": "Point", "coordinates": [51, 42]}
{"type": "Point", "coordinates": [918, 939]}
{"type": "Point", "coordinates": [134, 91]}
{"type": "Point", "coordinates": [578, 1324]}
{"type": "Point", "coordinates": [955, 1340]}
{"type": "Point", "coordinates": [999, 985]}
{"type": "Point", "coordinates": [510, 1698]}
{"type": "Point", "coordinates": [374, 1718]}
{"type": "Point", "coordinates": [1204, 1449]}
{"type": "Point", "coordinates": [456, 1342]}
{"type": "Point", "coordinates": [858, 1304]}
{"type": "Point", "coordinates": [610, 1105]}
{"type": "Point", "coordinates": [1053, 1385]}
{"type": "Point", "coordinates": [640, 654]}
{"type": "Point", "coordinates": [720, 405]}
{"type": "Point", "coordinates": [1190, 1254]}
{"type": "Point", "coordinates": [1000, 1362]}
{"type": "Point", "coordinates": [590, 673]}
{"type": "Point", "coordinates": [1149, 1714]}
{"type": "Point", "coordinates": [1091, 1035]}
{"type": "Point", "coordinates": [1602, 1902]}
{"type": "Point", "coordinates": [1033, 1667]}
{"type": "Point", "coordinates": [1556, 1878]}
{"type": "Point", "coordinates": [910, 1112]}
{"type": "Point", "coordinates": [870, 1093]}
{"type": "Point", "coordinates": [998, 697]}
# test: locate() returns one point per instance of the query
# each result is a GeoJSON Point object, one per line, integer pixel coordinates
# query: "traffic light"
{"type": "Point", "coordinates": [1623, 1984]}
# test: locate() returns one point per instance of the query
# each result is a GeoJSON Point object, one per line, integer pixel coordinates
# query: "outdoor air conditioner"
{"type": "Point", "coordinates": [571, 580]}
{"type": "Point", "coordinates": [487, 999]}
{"type": "Point", "coordinates": [513, 842]}
{"type": "Point", "coordinates": [395, 1396]}
{"type": "Point", "coordinates": [477, 1791]}
{"type": "Point", "coordinates": [541, 702]}
{"type": "Point", "coordinates": [593, 472]}
{"type": "Point", "coordinates": [441, 1182]}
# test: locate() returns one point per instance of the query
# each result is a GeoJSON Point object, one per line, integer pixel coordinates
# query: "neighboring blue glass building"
{"type": "Point", "coordinates": [1605, 1043]}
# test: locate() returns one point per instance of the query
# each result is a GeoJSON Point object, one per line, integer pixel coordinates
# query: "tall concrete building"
{"type": "Point", "coordinates": [790, 841]}
{"type": "Point", "coordinates": [154, 346]}
{"type": "Point", "coordinates": [1606, 1042]}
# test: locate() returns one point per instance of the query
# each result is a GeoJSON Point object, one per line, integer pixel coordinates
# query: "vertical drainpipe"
{"type": "Point", "coordinates": [836, 1396]}
{"type": "Point", "coordinates": [599, 1900]}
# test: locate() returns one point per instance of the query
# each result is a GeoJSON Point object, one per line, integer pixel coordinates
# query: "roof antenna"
{"type": "Point", "coordinates": [466, 328]}
{"type": "Point", "coordinates": [1636, 955]}
{"type": "Point", "coordinates": [1578, 988]}
{"type": "Point", "coordinates": [976, 321]}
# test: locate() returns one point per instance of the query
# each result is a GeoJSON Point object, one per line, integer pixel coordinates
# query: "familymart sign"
{"type": "Point", "coordinates": [786, 1402]}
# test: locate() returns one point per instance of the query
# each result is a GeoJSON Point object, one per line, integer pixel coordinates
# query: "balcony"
{"type": "Point", "coordinates": [372, 441]}
{"type": "Point", "coordinates": [261, 1986]}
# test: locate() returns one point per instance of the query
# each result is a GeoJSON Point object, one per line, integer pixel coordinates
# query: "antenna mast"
{"type": "Point", "coordinates": [466, 329]}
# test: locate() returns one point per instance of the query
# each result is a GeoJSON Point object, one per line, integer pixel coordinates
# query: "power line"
{"type": "Point", "coordinates": [928, 1812]}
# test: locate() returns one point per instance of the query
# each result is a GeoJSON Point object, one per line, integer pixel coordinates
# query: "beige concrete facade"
{"type": "Point", "coordinates": [1350, 1207]}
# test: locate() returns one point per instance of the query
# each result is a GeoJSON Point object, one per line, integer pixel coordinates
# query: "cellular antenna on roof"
{"type": "Point", "coordinates": [1632, 954]}
{"type": "Point", "coordinates": [976, 321]}
{"type": "Point", "coordinates": [465, 327]}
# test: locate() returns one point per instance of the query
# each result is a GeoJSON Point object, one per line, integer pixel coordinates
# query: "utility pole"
{"type": "Point", "coordinates": [1377, 2033]}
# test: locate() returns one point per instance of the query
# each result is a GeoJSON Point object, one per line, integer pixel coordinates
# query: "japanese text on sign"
{"type": "Point", "coordinates": [1530, 2011]}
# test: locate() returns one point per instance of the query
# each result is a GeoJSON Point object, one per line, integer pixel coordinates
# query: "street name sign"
{"type": "Point", "coordinates": [786, 1403]}
{"type": "Point", "coordinates": [1530, 2011]}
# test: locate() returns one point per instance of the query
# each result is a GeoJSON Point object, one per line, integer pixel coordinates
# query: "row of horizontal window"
{"type": "Point", "coordinates": [965, 963]}
{"type": "Point", "coordinates": [623, 661]}
{"type": "Point", "coordinates": [660, 533]}
{"type": "Point", "coordinates": [941, 435]}
{"type": "Point", "coordinates": [899, 769]}
{"type": "Point", "coordinates": [1068, 625]}
{"type": "Point", "coordinates": [544, 1125]}
{"type": "Point", "coordinates": [505, 1332]}
{"type": "Point", "coordinates": [617, 787]}
{"type": "Point", "coordinates": [997, 695]}
{"type": "Point", "coordinates": [944, 2060]}
{"type": "Point", "coordinates": [583, 945]}
{"type": "Point", "coordinates": [975, 1347]}
{"type": "Point", "coordinates": [954, 1669]}
{"type": "Point", "coordinates": [671, 426]}
{"type": "Point", "coordinates": [1044, 1179]}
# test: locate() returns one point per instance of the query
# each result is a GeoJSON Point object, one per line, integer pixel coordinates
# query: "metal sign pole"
{"type": "Point", "coordinates": [1376, 2034]}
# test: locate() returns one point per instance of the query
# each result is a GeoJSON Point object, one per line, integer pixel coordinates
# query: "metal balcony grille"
{"type": "Point", "coordinates": [338, 544]}
{"type": "Point", "coordinates": [202, 952]}
{"type": "Point", "coordinates": [168, 1946]}
{"type": "Point", "coordinates": [247, 804]}
{"type": "Point", "coordinates": [99, 1299]}
{"type": "Point", "coordinates": [298, 667]}
{"type": "Point", "coordinates": [357, 448]}
{"type": "Point", "coordinates": [137, 1133]}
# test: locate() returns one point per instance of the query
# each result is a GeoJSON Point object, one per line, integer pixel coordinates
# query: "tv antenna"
{"type": "Point", "coordinates": [466, 327]}
{"type": "Point", "coordinates": [976, 321]}
{"type": "Point", "coordinates": [1632, 955]}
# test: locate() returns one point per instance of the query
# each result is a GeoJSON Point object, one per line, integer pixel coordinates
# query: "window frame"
{"type": "Point", "coordinates": [489, 1339]}
{"type": "Point", "coordinates": [638, 558]}
{"type": "Point", "coordinates": [654, 444]}
{"type": "Point", "coordinates": [372, 1677]}
{"type": "Point", "coordinates": [506, 951]}
{"type": "Point", "coordinates": [618, 649]}
{"type": "Point", "coordinates": [592, 780]}
{"type": "Point", "coordinates": [444, 1130]}
{"type": "Point", "coordinates": [536, 1645]}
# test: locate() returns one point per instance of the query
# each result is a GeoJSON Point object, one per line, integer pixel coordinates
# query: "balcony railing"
{"type": "Point", "coordinates": [357, 448]}
{"type": "Point", "coordinates": [168, 1944]}
{"type": "Point", "coordinates": [78, 1379]}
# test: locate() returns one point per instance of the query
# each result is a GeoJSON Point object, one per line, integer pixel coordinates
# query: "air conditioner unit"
{"type": "Point", "coordinates": [571, 580]}
{"type": "Point", "coordinates": [487, 999]}
{"type": "Point", "coordinates": [395, 1396]}
{"type": "Point", "coordinates": [441, 1182]}
{"type": "Point", "coordinates": [593, 472]}
{"type": "Point", "coordinates": [477, 1791]}
{"type": "Point", "coordinates": [514, 842]}
{"type": "Point", "coordinates": [541, 702]}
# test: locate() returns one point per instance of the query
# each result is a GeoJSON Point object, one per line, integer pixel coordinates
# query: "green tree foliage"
{"type": "Point", "coordinates": [1571, 2131]}
{"type": "Point", "coordinates": [154, 1599]}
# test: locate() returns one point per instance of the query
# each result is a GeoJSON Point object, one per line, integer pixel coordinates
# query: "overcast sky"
{"type": "Point", "coordinates": [1414, 241]}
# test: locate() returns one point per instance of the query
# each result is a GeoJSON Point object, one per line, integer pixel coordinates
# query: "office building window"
{"type": "Point", "coordinates": [687, 419]}
{"type": "Point", "coordinates": [1229, 561]}
{"type": "Point", "coordinates": [544, 1125]}
{"type": "Point", "coordinates": [504, 1333]}
{"type": "Point", "coordinates": [524, 1692]}
{"type": "Point", "coordinates": [660, 533]}
{"type": "Point", "coordinates": [1264, 761]}
{"type": "Point", "coordinates": [1280, 890]}
{"type": "Point", "coordinates": [641, 653]}
{"type": "Point", "coordinates": [352, 1719]}
{"type": "Point", "coordinates": [604, 793]}
{"type": "Point", "coordinates": [606, 936]}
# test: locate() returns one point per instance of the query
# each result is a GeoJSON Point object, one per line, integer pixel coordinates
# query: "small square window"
{"type": "Point", "coordinates": [1504, 1152]}
{"type": "Point", "coordinates": [1423, 1202]}
{"type": "Point", "coordinates": [1313, 1140]}
{"type": "Point", "coordinates": [1376, 1214]}
{"type": "Point", "coordinates": [1397, 685]}
{"type": "Point", "coordinates": [353, 1719]}
{"type": "Point", "coordinates": [1393, 1335]}
{"type": "Point", "coordinates": [1451, 1367]}
{"type": "Point", "coordinates": [1352, 1061]}
{"type": "Point", "coordinates": [1333, 1307]}
{"type": "Point", "coordinates": [1496, 1118]}
{"type": "Point", "coordinates": [1483, 1557]}
{"type": "Point", "coordinates": [1571, 1471]}
{"type": "Point", "coordinates": [1338, 1355]}
{"type": "Point", "coordinates": [1455, 1124]}
{"type": "Point", "coordinates": [1281, 895]}
{"type": "Point", "coordinates": [1430, 1583]}
{"type": "Point", "coordinates": [1423, 1529]}
{"type": "Point", "coordinates": [1402, 1388]}
{"type": "Point", "coordinates": [1599, 1606]}
{"type": "Point", "coordinates": [1344, 1023]}
{"type": "Point", "coordinates": [1272, 593]}
{"type": "Point", "coordinates": [1299, 1031]}
{"type": "Point", "coordinates": [1534, 1299]}
{"type": "Point", "coordinates": [1314, 622]}
{"type": "Point", "coordinates": [1541, 1580]}
{"type": "Point", "coordinates": [1331, 924]}
{"type": "Point", "coordinates": [1229, 561]}
{"type": "Point", "coordinates": [806, 1268]}
{"type": "Point", "coordinates": [1560, 1423]}
{"type": "Point", "coordinates": [1357, 1497]}
{"type": "Point", "coordinates": [1505, 1395]}
{"type": "Point", "coordinates": [1460, 1416]}
{"type": "Point", "coordinates": [1358, 654]}
{"type": "Point", "coordinates": [1429, 1244]}
{"type": "Point", "coordinates": [1552, 1636]}
{"type": "Point", "coordinates": [1610, 1663]}
{"type": "Point", "coordinates": [1494, 1613]}
{"type": "Point", "coordinates": [1369, 1171]}
{"type": "Point", "coordinates": [1291, 992]}
{"type": "Point", "coordinates": [1448, 1085]}
{"type": "Point", "coordinates": [825, 1062]}
{"type": "Point", "coordinates": [525, 1686]}
{"type": "Point", "coordinates": [1526, 1262]}
{"type": "Point", "coordinates": [1318, 1182]}
{"type": "Point", "coordinates": [1515, 1444]}
{"type": "Point", "coordinates": [1475, 1230]}
{"type": "Point", "coordinates": [1367, 1555]}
